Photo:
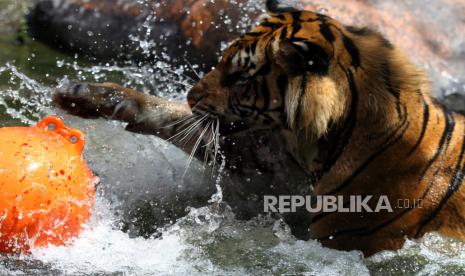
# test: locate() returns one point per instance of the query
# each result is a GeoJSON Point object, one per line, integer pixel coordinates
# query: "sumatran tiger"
{"type": "Point", "coordinates": [350, 108]}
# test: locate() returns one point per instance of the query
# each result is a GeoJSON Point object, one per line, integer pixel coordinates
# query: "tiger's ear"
{"type": "Point", "coordinates": [290, 58]}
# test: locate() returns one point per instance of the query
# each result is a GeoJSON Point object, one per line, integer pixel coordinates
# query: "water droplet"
{"type": "Point", "coordinates": [322, 11]}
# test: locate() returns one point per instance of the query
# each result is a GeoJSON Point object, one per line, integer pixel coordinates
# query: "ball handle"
{"type": "Point", "coordinates": [56, 125]}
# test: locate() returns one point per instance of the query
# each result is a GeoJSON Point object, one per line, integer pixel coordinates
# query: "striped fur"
{"type": "Point", "coordinates": [363, 119]}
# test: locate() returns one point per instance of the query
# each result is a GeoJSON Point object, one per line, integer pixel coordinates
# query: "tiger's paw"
{"type": "Point", "coordinates": [94, 100]}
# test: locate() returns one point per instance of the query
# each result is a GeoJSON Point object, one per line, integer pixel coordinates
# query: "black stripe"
{"type": "Point", "coordinates": [296, 23]}
{"type": "Point", "coordinates": [266, 96]}
{"type": "Point", "coordinates": [244, 111]}
{"type": "Point", "coordinates": [267, 51]}
{"type": "Point", "coordinates": [401, 214]}
{"type": "Point", "coordinates": [325, 30]}
{"type": "Point", "coordinates": [251, 66]}
{"type": "Point", "coordinates": [352, 50]}
{"type": "Point", "coordinates": [237, 108]}
{"type": "Point", "coordinates": [343, 136]}
{"type": "Point", "coordinates": [423, 126]}
{"type": "Point", "coordinates": [239, 58]}
{"type": "Point", "coordinates": [443, 142]}
{"type": "Point", "coordinates": [404, 127]}
{"type": "Point", "coordinates": [455, 183]}
{"type": "Point", "coordinates": [247, 60]}
{"type": "Point", "coordinates": [423, 196]}
{"type": "Point", "coordinates": [280, 16]}
{"type": "Point", "coordinates": [253, 47]}
{"type": "Point", "coordinates": [265, 69]}
{"type": "Point", "coordinates": [282, 83]}
{"type": "Point", "coordinates": [255, 33]}
{"type": "Point", "coordinates": [362, 231]}
{"type": "Point", "coordinates": [283, 33]}
{"type": "Point", "coordinates": [303, 88]}
{"type": "Point", "coordinates": [395, 91]}
{"type": "Point", "coordinates": [247, 90]}
{"type": "Point", "coordinates": [230, 79]}
{"type": "Point", "coordinates": [390, 141]}
{"type": "Point", "coordinates": [295, 28]}
{"type": "Point", "coordinates": [271, 25]}
{"type": "Point", "coordinates": [453, 187]}
{"type": "Point", "coordinates": [255, 87]}
{"type": "Point", "coordinates": [296, 16]}
{"type": "Point", "coordinates": [232, 104]}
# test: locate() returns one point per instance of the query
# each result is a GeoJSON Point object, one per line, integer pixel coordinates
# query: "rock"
{"type": "Point", "coordinates": [142, 176]}
{"type": "Point", "coordinates": [137, 30]}
{"type": "Point", "coordinates": [12, 20]}
{"type": "Point", "coordinates": [455, 102]}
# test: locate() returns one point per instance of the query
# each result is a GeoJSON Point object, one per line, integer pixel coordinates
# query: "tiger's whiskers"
{"type": "Point", "coordinates": [188, 129]}
{"type": "Point", "coordinates": [193, 69]}
{"type": "Point", "coordinates": [196, 145]}
{"type": "Point", "coordinates": [184, 119]}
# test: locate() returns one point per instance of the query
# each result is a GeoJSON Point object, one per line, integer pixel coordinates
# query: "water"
{"type": "Point", "coordinates": [208, 239]}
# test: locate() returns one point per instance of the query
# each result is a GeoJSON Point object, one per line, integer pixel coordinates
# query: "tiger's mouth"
{"type": "Point", "coordinates": [201, 111]}
{"type": "Point", "coordinates": [228, 125]}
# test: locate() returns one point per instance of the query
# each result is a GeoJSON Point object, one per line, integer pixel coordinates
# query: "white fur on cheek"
{"type": "Point", "coordinates": [321, 103]}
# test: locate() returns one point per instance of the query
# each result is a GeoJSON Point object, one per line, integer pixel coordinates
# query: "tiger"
{"type": "Point", "coordinates": [350, 108]}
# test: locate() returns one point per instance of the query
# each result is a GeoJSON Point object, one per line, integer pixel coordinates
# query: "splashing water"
{"type": "Point", "coordinates": [207, 240]}
{"type": "Point", "coordinates": [17, 95]}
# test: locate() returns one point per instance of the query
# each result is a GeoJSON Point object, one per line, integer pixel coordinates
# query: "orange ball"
{"type": "Point", "coordinates": [46, 188]}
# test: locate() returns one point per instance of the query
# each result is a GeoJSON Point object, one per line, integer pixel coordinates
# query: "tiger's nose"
{"type": "Point", "coordinates": [194, 96]}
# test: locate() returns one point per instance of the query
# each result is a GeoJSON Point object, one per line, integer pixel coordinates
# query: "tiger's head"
{"type": "Point", "coordinates": [295, 69]}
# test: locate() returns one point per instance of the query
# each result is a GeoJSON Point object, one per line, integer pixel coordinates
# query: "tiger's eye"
{"type": "Point", "coordinates": [243, 79]}
{"type": "Point", "coordinates": [236, 78]}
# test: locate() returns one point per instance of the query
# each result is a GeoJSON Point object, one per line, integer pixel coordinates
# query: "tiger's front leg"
{"type": "Point", "coordinates": [144, 113]}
